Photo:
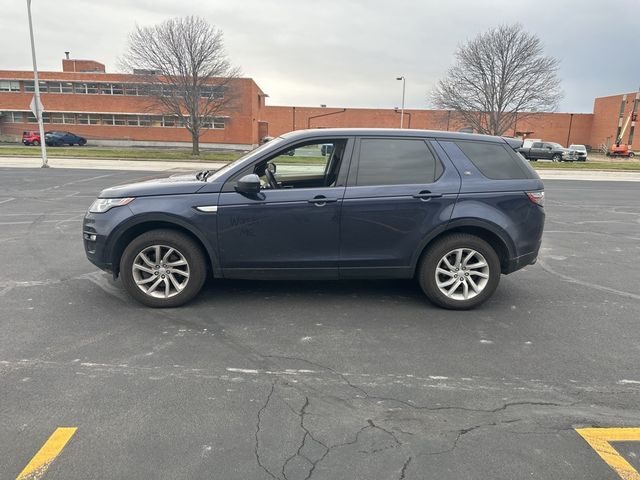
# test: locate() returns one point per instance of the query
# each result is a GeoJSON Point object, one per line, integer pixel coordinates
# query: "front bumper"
{"type": "Point", "coordinates": [98, 234]}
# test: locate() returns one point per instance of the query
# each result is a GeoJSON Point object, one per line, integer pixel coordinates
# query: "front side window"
{"type": "Point", "coordinates": [305, 165]}
{"type": "Point", "coordinates": [393, 161]}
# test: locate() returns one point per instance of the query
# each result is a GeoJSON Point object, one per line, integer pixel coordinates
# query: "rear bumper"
{"type": "Point", "coordinates": [522, 261]}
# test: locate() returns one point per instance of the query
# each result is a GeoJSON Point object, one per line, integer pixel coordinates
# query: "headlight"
{"type": "Point", "coordinates": [101, 205]}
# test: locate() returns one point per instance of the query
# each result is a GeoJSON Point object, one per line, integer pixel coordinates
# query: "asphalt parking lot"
{"type": "Point", "coordinates": [336, 380]}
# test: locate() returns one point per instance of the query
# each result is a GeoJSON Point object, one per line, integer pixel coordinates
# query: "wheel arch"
{"type": "Point", "coordinates": [142, 224]}
{"type": "Point", "coordinates": [493, 234]}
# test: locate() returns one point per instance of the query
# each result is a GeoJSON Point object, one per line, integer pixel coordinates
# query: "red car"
{"type": "Point", "coordinates": [31, 138]}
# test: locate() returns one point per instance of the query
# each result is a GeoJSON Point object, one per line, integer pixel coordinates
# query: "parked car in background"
{"type": "Point", "coordinates": [582, 151]}
{"type": "Point", "coordinates": [452, 210]}
{"type": "Point", "coordinates": [326, 149]}
{"type": "Point", "coordinates": [31, 138]}
{"type": "Point", "coordinates": [548, 151]}
{"type": "Point", "coordinates": [58, 139]}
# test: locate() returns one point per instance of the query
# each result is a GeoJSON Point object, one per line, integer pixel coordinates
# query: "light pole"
{"type": "Point", "coordinates": [36, 104]}
{"type": "Point", "coordinates": [404, 82]}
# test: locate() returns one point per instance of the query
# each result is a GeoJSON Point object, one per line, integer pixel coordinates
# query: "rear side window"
{"type": "Point", "coordinates": [494, 160]}
{"type": "Point", "coordinates": [396, 162]}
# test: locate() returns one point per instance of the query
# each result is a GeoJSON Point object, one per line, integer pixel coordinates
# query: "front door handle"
{"type": "Point", "coordinates": [426, 195]}
{"type": "Point", "coordinates": [321, 200]}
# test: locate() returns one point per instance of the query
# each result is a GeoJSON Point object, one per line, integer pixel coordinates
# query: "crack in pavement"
{"type": "Point", "coordinates": [367, 395]}
{"type": "Point", "coordinates": [257, 444]}
{"type": "Point", "coordinates": [403, 471]}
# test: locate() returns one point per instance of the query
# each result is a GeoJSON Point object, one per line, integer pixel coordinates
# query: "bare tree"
{"type": "Point", "coordinates": [499, 76]}
{"type": "Point", "coordinates": [187, 71]}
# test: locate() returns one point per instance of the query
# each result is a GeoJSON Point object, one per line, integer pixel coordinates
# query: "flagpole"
{"type": "Point", "coordinates": [37, 104]}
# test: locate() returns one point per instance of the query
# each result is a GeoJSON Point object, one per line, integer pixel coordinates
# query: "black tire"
{"type": "Point", "coordinates": [170, 239]}
{"type": "Point", "coordinates": [82, 143]}
{"type": "Point", "coordinates": [557, 157]}
{"type": "Point", "coordinates": [36, 143]}
{"type": "Point", "coordinates": [631, 154]}
{"type": "Point", "coordinates": [435, 254]}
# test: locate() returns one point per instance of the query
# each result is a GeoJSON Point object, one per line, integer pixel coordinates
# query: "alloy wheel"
{"type": "Point", "coordinates": [462, 274]}
{"type": "Point", "coordinates": [160, 271]}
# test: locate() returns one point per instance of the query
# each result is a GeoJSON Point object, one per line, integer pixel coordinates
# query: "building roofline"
{"type": "Point", "coordinates": [98, 76]}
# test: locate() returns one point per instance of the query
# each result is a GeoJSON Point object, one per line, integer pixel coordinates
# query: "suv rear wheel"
{"type": "Point", "coordinates": [459, 272]}
{"type": "Point", "coordinates": [163, 268]}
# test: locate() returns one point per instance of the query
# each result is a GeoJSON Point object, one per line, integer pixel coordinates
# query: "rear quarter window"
{"type": "Point", "coordinates": [494, 160]}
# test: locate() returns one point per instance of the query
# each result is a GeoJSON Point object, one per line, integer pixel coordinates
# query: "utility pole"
{"type": "Point", "coordinates": [36, 104]}
{"type": "Point", "coordinates": [404, 81]}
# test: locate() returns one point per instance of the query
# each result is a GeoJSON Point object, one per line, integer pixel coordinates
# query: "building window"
{"type": "Point", "coordinates": [120, 119]}
{"type": "Point", "coordinates": [46, 117]}
{"type": "Point", "coordinates": [56, 117]}
{"type": "Point", "coordinates": [9, 86]}
{"type": "Point", "coordinates": [68, 118]}
{"type": "Point", "coordinates": [155, 121]}
{"type": "Point", "coordinates": [215, 122]}
{"type": "Point", "coordinates": [168, 90]}
{"type": "Point", "coordinates": [131, 89]}
{"type": "Point", "coordinates": [117, 89]}
{"type": "Point", "coordinates": [14, 117]}
{"type": "Point", "coordinates": [67, 87]}
{"type": "Point", "coordinates": [54, 87]}
{"type": "Point", "coordinates": [31, 118]}
{"type": "Point", "coordinates": [107, 120]}
{"type": "Point", "coordinates": [144, 120]}
{"type": "Point", "coordinates": [168, 121]}
{"type": "Point", "coordinates": [87, 119]}
{"type": "Point", "coordinates": [212, 91]}
{"type": "Point", "coordinates": [105, 88]}
{"type": "Point", "coordinates": [29, 87]}
{"type": "Point", "coordinates": [133, 121]}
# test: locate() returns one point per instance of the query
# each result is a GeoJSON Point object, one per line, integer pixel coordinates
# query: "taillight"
{"type": "Point", "coordinates": [536, 197]}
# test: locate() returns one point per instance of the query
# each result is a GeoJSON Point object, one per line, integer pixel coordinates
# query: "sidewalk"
{"type": "Point", "coordinates": [166, 166]}
{"type": "Point", "coordinates": [109, 164]}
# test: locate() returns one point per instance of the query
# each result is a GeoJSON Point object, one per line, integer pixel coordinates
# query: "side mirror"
{"type": "Point", "coordinates": [249, 184]}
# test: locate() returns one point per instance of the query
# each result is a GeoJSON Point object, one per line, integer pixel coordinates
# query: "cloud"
{"type": "Point", "coordinates": [346, 52]}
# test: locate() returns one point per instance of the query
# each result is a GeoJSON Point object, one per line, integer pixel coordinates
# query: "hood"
{"type": "Point", "coordinates": [174, 185]}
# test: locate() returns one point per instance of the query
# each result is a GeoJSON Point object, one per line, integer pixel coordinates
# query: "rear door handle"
{"type": "Point", "coordinates": [426, 195]}
{"type": "Point", "coordinates": [321, 200]}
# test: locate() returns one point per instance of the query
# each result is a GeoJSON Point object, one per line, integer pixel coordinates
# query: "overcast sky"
{"type": "Point", "coordinates": [345, 52]}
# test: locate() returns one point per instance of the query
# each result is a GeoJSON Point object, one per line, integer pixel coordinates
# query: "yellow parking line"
{"type": "Point", "coordinates": [47, 454]}
{"type": "Point", "coordinates": [599, 439]}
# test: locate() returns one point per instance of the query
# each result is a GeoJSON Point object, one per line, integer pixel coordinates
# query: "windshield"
{"type": "Point", "coordinates": [255, 151]}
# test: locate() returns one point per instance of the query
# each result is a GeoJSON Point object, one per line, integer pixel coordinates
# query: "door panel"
{"type": "Point", "coordinates": [283, 229]}
{"type": "Point", "coordinates": [382, 226]}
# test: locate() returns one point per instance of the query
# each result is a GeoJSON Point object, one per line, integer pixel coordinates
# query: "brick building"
{"type": "Point", "coordinates": [113, 109]}
{"type": "Point", "coordinates": [109, 108]}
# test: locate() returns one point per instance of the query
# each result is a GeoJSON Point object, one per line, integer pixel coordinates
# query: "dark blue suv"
{"type": "Point", "coordinates": [454, 211]}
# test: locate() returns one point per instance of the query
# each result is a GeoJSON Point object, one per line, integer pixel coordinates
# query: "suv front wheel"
{"type": "Point", "coordinates": [459, 272]}
{"type": "Point", "coordinates": [163, 268]}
